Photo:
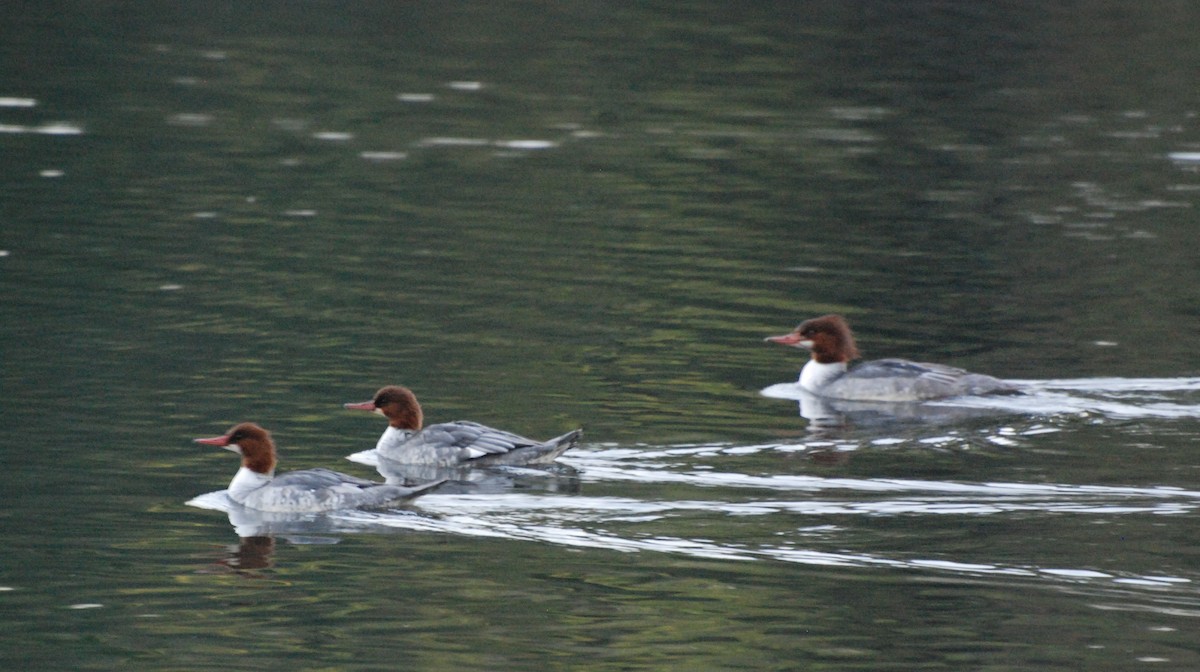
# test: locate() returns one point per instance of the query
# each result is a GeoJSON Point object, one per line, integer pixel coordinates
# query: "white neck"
{"type": "Point", "coordinates": [391, 435]}
{"type": "Point", "coordinates": [816, 375]}
{"type": "Point", "coordinates": [246, 481]}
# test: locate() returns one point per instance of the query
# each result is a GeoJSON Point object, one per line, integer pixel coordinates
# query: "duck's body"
{"type": "Point", "coordinates": [827, 373]}
{"type": "Point", "coordinates": [255, 486]}
{"type": "Point", "coordinates": [453, 444]}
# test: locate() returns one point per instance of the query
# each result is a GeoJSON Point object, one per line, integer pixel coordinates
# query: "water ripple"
{"type": "Point", "coordinates": [480, 518]}
{"type": "Point", "coordinates": [704, 506]}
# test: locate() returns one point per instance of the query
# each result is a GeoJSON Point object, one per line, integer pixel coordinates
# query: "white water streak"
{"type": "Point", "coordinates": [470, 522]}
{"type": "Point", "coordinates": [623, 523]}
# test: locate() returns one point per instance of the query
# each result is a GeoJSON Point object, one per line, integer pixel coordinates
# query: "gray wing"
{"type": "Point", "coordinates": [903, 380]}
{"type": "Point", "coordinates": [319, 478]}
{"type": "Point", "coordinates": [903, 368]}
{"type": "Point", "coordinates": [466, 443]}
{"type": "Point", "coordinates": [318, 490]}
{"type": "Point", "coordinates": [476, 439]}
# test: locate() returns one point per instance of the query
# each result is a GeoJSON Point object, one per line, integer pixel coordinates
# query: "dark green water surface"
{"type": "Point", "coordinates": [548, 215]}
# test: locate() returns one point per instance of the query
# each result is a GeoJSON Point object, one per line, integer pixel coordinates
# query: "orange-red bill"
{"type": "Point", "coordinates": [787, 339]}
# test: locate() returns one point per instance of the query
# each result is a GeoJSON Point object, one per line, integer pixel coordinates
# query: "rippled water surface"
{"type": "Point", "coordinates": [545, 216]}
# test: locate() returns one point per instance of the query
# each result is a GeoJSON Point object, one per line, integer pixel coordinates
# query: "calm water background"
{"type": "Point", "coordinates": [547, 215]}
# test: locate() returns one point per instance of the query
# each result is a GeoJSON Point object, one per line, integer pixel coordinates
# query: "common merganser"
{"type": "Point", "coordinates": [452, 444]}
{"type": "Point", "coordinates": [255, 485]}
{"type": "Point", "coordinates": [832, 346]}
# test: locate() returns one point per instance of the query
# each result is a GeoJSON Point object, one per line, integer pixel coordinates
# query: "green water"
{"type": "Point", "coordinates": [549, 215]}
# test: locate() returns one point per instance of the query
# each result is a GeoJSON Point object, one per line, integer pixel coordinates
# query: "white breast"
{"type": "Point", "coordinates": [816, 375]}
{"type": "Point", "coordinates": [244, 482]}
{"type": "Point", "coordinates": [392, 438]}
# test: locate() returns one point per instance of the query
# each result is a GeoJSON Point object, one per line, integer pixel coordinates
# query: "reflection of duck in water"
{"type": "Point", "coordinates": [827, 375]}
{"type": "Point", "coordinates": [250, 554]}
{"type": "Point", "coordinates": [826, 414]}
{"type": "Point", "coordinates": [245, 558]}
{"type": "Point", "coordinates": [256, 487]}
{"type": "Point", "coordinates": [548, 478]}
{"type": "Point", "coordinates": [452, 444]}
